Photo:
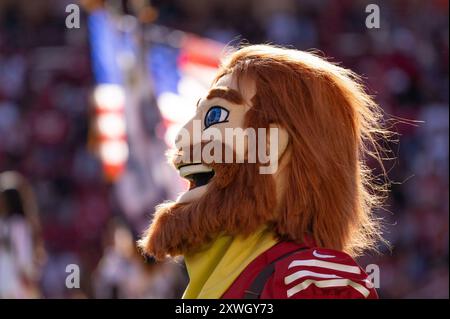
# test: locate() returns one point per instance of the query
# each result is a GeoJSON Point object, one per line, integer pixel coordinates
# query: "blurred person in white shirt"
{"type": "Point", "coordinates": [21, 248]}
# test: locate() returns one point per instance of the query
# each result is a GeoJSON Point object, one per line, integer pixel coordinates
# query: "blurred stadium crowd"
{"type": "Point", "coordinates": [45, 87]}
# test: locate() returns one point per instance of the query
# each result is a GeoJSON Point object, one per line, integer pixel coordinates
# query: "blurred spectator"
{"type": "Point", "coordinates": [21, 250]}
{"type": "Point", "coordinates": [121, 272]}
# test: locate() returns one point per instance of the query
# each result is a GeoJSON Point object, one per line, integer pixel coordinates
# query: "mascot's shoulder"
{"type": "Point", "coordinates": [318, 273]}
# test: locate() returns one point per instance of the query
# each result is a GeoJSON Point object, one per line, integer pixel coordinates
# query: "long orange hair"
{"type": "Point", "coordinates": [334, 126]}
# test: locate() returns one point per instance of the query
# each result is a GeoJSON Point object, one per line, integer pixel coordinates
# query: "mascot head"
{"type": "Point", "coordinates": [318, 185]}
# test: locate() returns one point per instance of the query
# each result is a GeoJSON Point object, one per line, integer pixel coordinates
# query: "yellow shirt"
{"type": "Point", "coordinates": [213, 269]}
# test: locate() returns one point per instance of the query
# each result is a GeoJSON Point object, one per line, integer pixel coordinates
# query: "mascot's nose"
{"type": "Point", "coordinates": [189, 134]}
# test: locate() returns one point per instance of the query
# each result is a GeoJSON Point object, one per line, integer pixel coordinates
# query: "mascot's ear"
{"type": "Point", "coordinates": [283, 139]}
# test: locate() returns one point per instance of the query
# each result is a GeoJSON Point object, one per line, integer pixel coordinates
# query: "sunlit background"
{"type": "Point", "coordinates": [86, 115]}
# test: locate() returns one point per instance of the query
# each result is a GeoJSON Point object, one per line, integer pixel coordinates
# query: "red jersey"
{"type": "Point", "coordinates": [293, 271]}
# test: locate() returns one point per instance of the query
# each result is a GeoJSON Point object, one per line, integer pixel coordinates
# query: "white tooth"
{"type": "Point", "coordinates": [194, 169]}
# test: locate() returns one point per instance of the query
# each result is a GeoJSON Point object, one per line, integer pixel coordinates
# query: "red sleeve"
{"type": "Point", "coordinates": [319, 273]}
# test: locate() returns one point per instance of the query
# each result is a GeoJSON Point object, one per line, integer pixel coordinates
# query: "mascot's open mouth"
{"type": "Point", "coordinates": [196, 173]}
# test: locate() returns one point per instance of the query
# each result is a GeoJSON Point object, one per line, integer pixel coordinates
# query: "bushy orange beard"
{"type": "Point", "coordinates": [238, 200]}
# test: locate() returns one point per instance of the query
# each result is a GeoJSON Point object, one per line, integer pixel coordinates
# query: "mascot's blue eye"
{"type": "Point", "coordinates": [216, 114]}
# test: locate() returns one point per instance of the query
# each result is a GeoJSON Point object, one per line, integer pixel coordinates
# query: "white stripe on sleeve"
{"type": "Point", "coordinates": [328, 283]}
{"type": "Point", "coordinates": [325, 264]}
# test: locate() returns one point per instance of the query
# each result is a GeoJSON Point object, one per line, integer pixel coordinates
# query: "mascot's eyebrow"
{"type": "Point", "coordinates": [225, 93]}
